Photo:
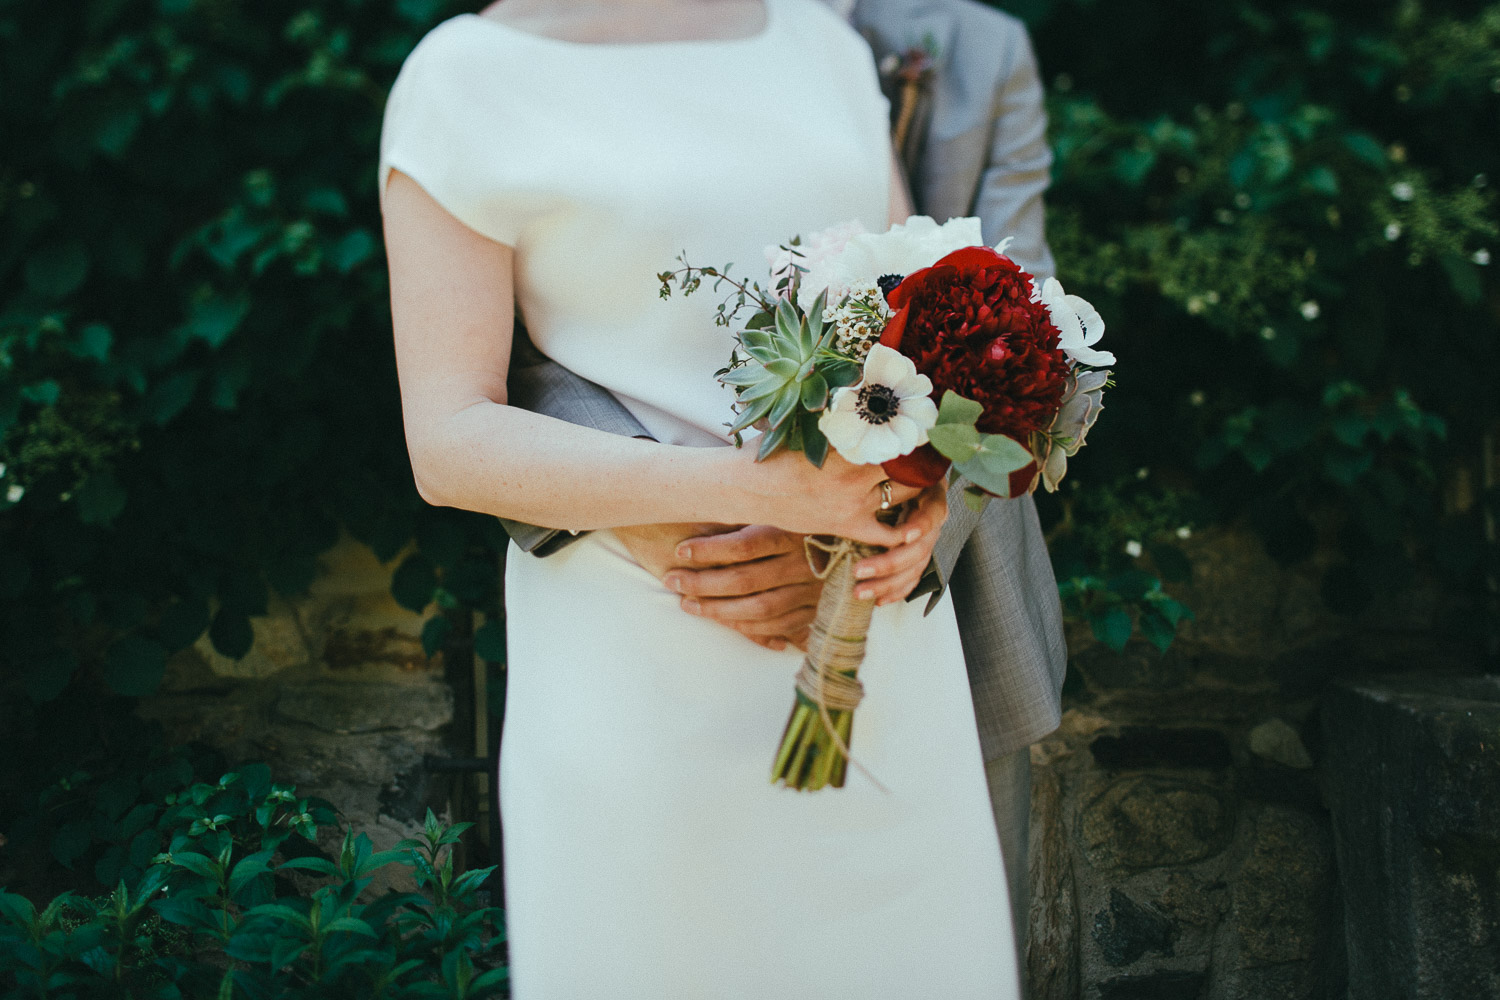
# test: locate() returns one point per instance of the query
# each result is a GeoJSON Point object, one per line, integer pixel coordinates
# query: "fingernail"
{"type": "Point", "coordinates": [673, 580]}
{"type": "Point", "coordinates": [865, 594]}
{"type": "Point", "coordinates": [691, 606]}
{"type": "Point", "coordinates": [913, 535]}
{"type": "Point", "coordinates": [685, 552]}
{"type": "Point", "coordinates": [863, 572]}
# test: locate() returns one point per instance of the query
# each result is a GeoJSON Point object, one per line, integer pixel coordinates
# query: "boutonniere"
{"type": "Point", "coordinates": [907, 74]}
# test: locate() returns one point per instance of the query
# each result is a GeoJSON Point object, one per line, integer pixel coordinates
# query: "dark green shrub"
{"type": "Point", "coordinates": [234, 907]}
{"type": "Point", "coordinates": [1287, 214]}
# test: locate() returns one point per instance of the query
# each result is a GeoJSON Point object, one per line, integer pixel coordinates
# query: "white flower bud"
{"type": "Point", "coordinates": [1133, 549]}
{"type": "Point", "coordinates": [15, 493]}
{"type": "Point", "coordinates": [1402, 191]}
{"type": "Point", "coordinates": [1310, 310]}
{"type": "Point", "coordinates": [1481, 257]}
{"type": "Point", "coordinates": [1184, 532]}
{"type": "Point", "coordinates": [1393, 231]}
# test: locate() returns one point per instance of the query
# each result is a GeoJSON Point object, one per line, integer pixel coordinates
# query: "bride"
{"type": "Point", "coordinates": [553, 156]}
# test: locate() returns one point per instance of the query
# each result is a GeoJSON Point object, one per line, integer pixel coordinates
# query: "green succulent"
{"type": "Point", "coordinates": [787, 377]}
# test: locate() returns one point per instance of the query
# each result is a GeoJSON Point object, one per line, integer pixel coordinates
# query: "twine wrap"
{"type": "Point", "coordinates": [836, 644]}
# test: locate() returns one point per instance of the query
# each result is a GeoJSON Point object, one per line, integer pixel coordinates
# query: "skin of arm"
{"type": "Point", "coordinates": [451, 305]}
{"type": "Point", "coordinates": [756, 579]}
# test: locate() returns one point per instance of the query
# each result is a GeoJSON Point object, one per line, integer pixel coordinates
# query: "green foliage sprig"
{"type": "Point", "coordinates": [230, 909]}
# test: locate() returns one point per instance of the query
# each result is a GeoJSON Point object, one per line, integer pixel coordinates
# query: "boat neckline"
{"type": "Point", "coordinates": [764, 32]}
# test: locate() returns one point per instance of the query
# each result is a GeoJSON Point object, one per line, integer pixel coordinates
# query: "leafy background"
{"type": "Point", "coordinates": [1288, 224]}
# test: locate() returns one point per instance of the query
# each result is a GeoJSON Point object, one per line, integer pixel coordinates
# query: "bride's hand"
{"type": "Point", "coordinates": [840, 498]}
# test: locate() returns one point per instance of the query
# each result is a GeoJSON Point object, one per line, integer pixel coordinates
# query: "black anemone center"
{"type": "Point", "coordinates": [888, 283]}
{"type": "Point", "coordinates": [877, 403]}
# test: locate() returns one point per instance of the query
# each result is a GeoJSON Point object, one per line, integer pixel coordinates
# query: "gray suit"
{"type": "Point", "coordinates": [979, 149]}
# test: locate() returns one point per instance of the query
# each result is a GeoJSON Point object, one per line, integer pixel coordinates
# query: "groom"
{"type": "Point", "coordinates": [968, 124]}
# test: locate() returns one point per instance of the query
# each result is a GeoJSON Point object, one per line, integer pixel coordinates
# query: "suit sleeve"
{"type": "Point", "coordinates": [1019, 164]}
{"type": "Point", "coordinates": [1016, 172]}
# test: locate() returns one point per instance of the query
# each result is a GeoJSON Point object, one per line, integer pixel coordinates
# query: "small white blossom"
{"type": "Point", "coordinates": [1184, 532]}
{"type": "Point", "coordinates": [1195, 305]}
{"type": "Point", "coordinates": [15, 493]}
{"type": "Point", "coordinates": [890, 64]}
{"type": "Point", "coordinates": [1481, 257]}
{"type": "Point", "coordinates": [1133, 549]}
{"type": "Point", "coordinates": [1197, 397]}
{"type": "Point", "coordinates": [1310, 310]}
{"type": "Point", "coordinates": [1142, 472]}
{"type": "Point", "coordinates": [859, 319]}
{"type": "Point", "coordinates": [1393, 231]}
{"type": "Point", "coordinates": [1242, 200]}
{"type": "Point", "coordinates": [1268, 333]}
{"type": "Point", "coordinates": [1402, 191]}
{"type": "Point", "coordinates": [1211, 297]}
{"type": "Point", "coordinates": [886, 415]}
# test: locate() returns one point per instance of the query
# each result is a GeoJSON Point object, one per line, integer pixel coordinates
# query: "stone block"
{"type": "Point", "coordinates": [1282, 894]}
{"type": "Point", "coordinates": [279, 645]}
{"type": "Point", "coordinates": [1412, 770]}
{"type": "Point", "coordinates": [363, 708]}
{"type": "Point", "coordinates": [1052, 940]}
{"type": "Point", "coordinates": [1276, 740]}
{"type": "Point", "coordinates": [1126, 930]}
{"type": "Point", "coordinates": [1146, 821]}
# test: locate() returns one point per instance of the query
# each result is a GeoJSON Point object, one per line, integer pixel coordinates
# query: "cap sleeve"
{"type": "Point", "coordinates": [446, 127]}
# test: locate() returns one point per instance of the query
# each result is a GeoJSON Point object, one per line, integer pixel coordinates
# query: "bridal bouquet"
{"type": "Point", "coordinates": [921, 350]}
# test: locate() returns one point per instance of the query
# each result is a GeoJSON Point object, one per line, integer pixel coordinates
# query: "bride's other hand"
{"type": "Point", "coordinates": [654, 546]}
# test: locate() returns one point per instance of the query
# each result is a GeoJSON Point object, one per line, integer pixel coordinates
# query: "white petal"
{"type": "Point", "coordinates": [1089, 356]}
{"type": "Point", "coordinates": [1088, 318]}
{"type": "Point", "coordinates": [845, 399]}
{"type": "Point", "coordinates": [908, 432]}
{"type": "Point", "coordinates": [887, 366]}
{"type": "Point", "coordinates": [880, 444]}
{"type": "Point", "coordinates": [1004, 245]}
{"type": "Point", "coordinates": [1054, 469]}
{"type": "Point", "coordinates": [913, 385]}
{"type": "Point", "coordinates": [920, 409]}
{"type": "Point", "coordinates": [844, 430]}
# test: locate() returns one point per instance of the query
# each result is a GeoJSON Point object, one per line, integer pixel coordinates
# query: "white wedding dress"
{"type": "Point", "coordinates": [647, 855]}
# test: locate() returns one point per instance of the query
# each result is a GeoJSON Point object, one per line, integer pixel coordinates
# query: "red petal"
{"type": "Point", "coordinates": [918, 469]}
{"type": "Point", "coordinates": [895, 328]}
{"type": "Point", "coordinates": [971, 257]}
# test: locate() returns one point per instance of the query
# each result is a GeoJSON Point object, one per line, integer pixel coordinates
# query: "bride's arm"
{"type": "Point", "coordinates": [452, 307]}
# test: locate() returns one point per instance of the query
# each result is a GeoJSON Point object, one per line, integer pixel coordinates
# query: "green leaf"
{"type": "Point", "coordinates": [214, 319]}
{"type": "Point", "coordinates": [814, 441]}
{"type": "Point", "coordinates": [1157, 630]}
{"type": "Point", "coordinates": [93, 343]}
{"type": "Point", "coordinates": [489, 642]}
{"type": "Point", "coordinates": [815, 315]}
{"type": "Point", "coordinates": [757, 409]}
{"type": "Point", "coordinates": [956, 409]}
{"type": "Point", "coordinates": [1112, 626]}
{"type": "Point", "coordinates": [435, 632]}
{"type": "Point", "coordinates": [133, 666]}
{"type": "Point", "coordinates": [170, 396]}
{"type": "Point", "coordinates": [773, 439]}
{"type": "Point", "coordinates": [70, 842]}
{"type": "Point", "coordinates": [414, 582]}
{"type": "Point", "coordinates": [101, 498]}
{"type": "Point", "coordinates": [956, 442]}
{"type": "Point", "coordinates": [352, 250]}
{"type": "Point", "coordinates": [1463, 278]}
{"type": "Point", "coordinates": [784, 368]}
{"type": "Point", "coordinates": [231, 633]}
{"type": "Point", "coordinates": [785, 406]}
{"type": "Point", "coordinates": [997, 458]}
{"type": "Point", "coordinates": [814, 393]}
{"type": "Point", "coordinates": [57, 271]}
{"type": "Point", "coordinates": [199, 864]}
{"type": "Point", "coordinates": [320, 865]}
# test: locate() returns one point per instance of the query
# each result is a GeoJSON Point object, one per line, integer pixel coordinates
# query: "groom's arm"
{"type": "Point", "coordinates": [1008, 202]}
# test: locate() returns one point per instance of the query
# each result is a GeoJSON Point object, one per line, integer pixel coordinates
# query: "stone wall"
{"type": "Point", "coordinates": [1181, 848]}
{"type": "Point", "coordinates": [1181, 845]}
{"type": "Point", "coordinates": [336, 695]}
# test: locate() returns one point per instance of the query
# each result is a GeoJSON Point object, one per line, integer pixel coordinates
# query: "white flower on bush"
{"type": "Point", "coordinates": [1079, 323]}
{"type": "Point", "coordinates": [910, 246]}
{"type": "Point", "coordinates": [886, 415]}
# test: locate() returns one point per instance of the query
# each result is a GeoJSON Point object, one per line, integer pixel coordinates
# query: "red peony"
{"type": "Point", "coordinates": [969, 324]}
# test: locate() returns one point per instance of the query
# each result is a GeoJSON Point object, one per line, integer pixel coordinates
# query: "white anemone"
{"type": "Point", "coordinates": [886, 415]}
{"type": "Point", "coordinates": [910, 246]}
{"type": "Point", "coordinates": [1079, 323]}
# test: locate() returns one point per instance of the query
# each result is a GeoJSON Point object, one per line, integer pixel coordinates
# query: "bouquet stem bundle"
{"type": "Point", "coordinates": [814, 751]}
